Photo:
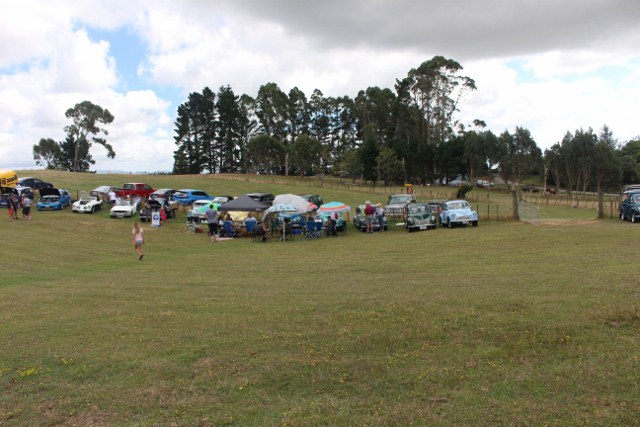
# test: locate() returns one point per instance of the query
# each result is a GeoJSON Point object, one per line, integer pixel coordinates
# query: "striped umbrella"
{"type": "Point", "coordinates": [332, 207]}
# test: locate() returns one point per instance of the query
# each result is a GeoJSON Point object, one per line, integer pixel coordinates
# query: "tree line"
{"type": "Point", "coordinates": [408, 134]}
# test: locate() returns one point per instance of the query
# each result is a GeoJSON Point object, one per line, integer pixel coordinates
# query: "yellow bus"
{"type": "Point", "coordinates": [8, 178]}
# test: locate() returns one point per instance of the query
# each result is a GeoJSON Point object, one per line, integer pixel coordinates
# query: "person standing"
{"type": "Point", "coordinates": [26, 207]}
{"type": "Point", "coordinates": [369, 214]}
{"type": "Point", "coordinates": [112, 197]}
{"type": "Point", "coordinates": [138, 239]}
{"type": "Point", "coordinates": [212, 221]}
{"type": "Point", "coordinates": [380, 216]}
{"type": "Point", "coordinates": [10, 206]}
{"type": "Point", "coordinates": [15, 204]}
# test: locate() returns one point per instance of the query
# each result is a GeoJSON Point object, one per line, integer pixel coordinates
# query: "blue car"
{"type": "Point", "coordinates": [186, 196]}
{"type": "Point", "coordinates": [53, 199]}
{"type": "Point", "coordinates": [457, 212]}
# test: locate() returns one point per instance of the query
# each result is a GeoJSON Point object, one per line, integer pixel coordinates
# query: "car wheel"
{"type": "Point", "coordinates": [474, 223]}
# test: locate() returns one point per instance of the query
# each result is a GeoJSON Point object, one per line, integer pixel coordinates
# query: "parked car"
{"type": "Point", "coordinates": [221, 200]}
{"type": "Point", "coordinates": [629, 208]}
{"type": "Point", "coordinates": [360, 223]}
{"type": "Point", "coordinates": [418, 216]}
{"type": "Point", "coordinates": [313, 198]}
{"type": "Point", "coordinates": [87, 203]}
{"type": "Point", "coordinates": [266, 198]}
{"type": "Point", "coordinates": [197, 211]}
{"type": "Point", "coordinates": [53, 199]}
{"type": "Point", "coordinates": [186, 196]}
{"type": "Point", "coordinates": [163, 193]}
{"type": "Point", "coordinates": [124, 208]}
{"type": "Point", "coordinates": [457, 212]}
{"type": "Point", "coordinates": [102, 192]}
{"type": "Point", "coordinates": [34, 183]}
{"type": "Point", "coordinates": [133, 189]}
{"type": "Point", "coordinates": [396, 204]}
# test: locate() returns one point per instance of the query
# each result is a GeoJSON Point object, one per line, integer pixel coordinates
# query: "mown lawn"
{"type": "Point", "coordinates": [503, 324]}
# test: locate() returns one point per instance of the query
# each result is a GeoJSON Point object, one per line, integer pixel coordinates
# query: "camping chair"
{"type": "Point", "coordinates": [310, 229]}
{"type": "Point", "coordinates": [258, 234]}
{"type": "Point", "coordinates": [287, 231]}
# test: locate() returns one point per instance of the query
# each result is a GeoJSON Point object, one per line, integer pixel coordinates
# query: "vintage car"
{"type": "Point", "coordinates": [396, 204]}
{"type": "Point", "coordinates": [630, 205]}
{"type": "Point", "coordinates": [197, 211]}
{"type": "Point", "coordinates": [124, 208]}
{"type": "Point", "coordinates": [418, 216]}
{"type": "Point", "coordinates": [457, 212]}
{"type": "Point", "coordinates": [86, 204]}
{"type": "Point", "coordinates": [359, 220]}
{"type": "Point", "coordinates": [53, 199]}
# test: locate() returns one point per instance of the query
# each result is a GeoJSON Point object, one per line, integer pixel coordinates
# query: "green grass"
{"type": "Point", "coordinates": [503, 324]}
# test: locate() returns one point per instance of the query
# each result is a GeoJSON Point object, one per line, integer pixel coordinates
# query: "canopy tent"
{"type": "Point", "coordinates": [243, 203]}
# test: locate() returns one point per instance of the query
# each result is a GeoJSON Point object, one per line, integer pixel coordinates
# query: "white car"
{"type": "Point", "coordinates": [86, 204]}
{"type": "Point", "coordinates": [124, 208]}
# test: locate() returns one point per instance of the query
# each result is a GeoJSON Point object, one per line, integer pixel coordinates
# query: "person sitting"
{"type": "Point", "coordinates": [249, 224]}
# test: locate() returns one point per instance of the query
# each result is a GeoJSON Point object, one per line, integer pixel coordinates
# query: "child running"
{"type": "Point", "coordinates": [138, 239]}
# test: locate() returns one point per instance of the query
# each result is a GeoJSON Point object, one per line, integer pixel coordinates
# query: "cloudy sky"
{"type": "Point", "coordinates": [550, 66]}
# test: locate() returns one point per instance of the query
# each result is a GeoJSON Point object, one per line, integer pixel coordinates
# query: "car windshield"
{"type": "Point", "coordinates": [399, 199]}
{"type": "Point", "coordinates": [416, 209]}
{"type": "Point", "coordinates": [180, 194]}
{"type": "Point", "coordinates": [635, 198]}
{"type": "Point", "coordinates": [458, 205]}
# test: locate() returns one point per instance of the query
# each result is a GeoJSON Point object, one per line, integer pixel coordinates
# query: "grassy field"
{"type": "Point", "coordinates": [503, 324]}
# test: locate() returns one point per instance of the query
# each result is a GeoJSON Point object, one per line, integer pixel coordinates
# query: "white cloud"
{"type": "Point", "coordinates": [546, 65]}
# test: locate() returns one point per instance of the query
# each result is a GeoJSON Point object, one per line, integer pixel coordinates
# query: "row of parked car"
{"type": "Point", "coordinates": [416, 215]}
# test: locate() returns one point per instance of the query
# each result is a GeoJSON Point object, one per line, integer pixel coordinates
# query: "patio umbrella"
{"type": "Point", "coordinates": [301, 205]}
{"type": "Point", "coordinates": [282, 208]}
{"type": "Point", "coordinates": [332, 207]}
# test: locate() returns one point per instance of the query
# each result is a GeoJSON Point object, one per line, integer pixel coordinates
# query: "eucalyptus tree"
{"type": "Point", "coordinates": [88, 121]}
{"type": "Point", "coordinates": [47, 153]}
{"type": "Point", "coordinates": [306, 154]}
{"type": "Point", "coordinates": [272, 106]}
{"type": "Point", "coordinates": [298, 114]}
{"type": "Point", "coordinates": [629, 154]}
{"type": "Point", "coordinates": [266, 154]}
{"type": "Point", "coordinates": [522, 156]}
{"type": "Point", "coordinates": [343, 128]}
{"type": "Point", "coordinates": [390, 168]}
{"type": "Point", "coordinates": [195, 134]}
{"type": "Point", "coordinates": [435, 89]}
{"type": "Point", "coordinates": [248, 127]}
{"type": "Point", "coordinates": [553, 162]}
{"type": "Point", "coordinates": [607, 166]}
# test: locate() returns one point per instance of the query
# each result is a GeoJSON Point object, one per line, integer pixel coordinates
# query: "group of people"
{"type": "Point", "coordinates": [14, 203]}
{"type": "Point", "coordinates": [219, 226]}
{"type": "Point", "coordinates": [374, 214]}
